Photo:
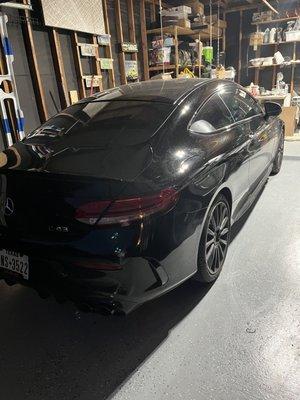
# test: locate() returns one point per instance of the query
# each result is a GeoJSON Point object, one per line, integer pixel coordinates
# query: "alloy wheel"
{"type": "Point", "coordinates": [217, 237]}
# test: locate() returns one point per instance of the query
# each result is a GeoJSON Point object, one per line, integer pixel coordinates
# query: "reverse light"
{"type": "Point", "coordinates": [124, 211]}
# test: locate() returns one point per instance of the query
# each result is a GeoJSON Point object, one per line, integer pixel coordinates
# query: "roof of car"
{"type": "Point", "coordinates": [169, 91]}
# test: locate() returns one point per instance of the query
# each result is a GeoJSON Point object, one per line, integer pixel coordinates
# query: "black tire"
{"type": "Point", "coordinates": [279, 156]}
{"type": "Point", "coordinates": [214, 241]}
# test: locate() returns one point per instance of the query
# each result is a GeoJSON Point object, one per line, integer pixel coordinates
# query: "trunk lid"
{"type": "Point", "coordinates": [42, 206]}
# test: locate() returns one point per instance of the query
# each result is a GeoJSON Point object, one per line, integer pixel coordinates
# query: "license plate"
{"type": "Point", "coordinates": [14, 262]}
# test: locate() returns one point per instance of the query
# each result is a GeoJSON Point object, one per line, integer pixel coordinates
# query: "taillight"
{"type": "Point", "coordinates": [123, 211]}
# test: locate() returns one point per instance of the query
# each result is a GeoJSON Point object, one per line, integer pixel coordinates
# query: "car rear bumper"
{"type": "Point", "coordinates": [110, 292]}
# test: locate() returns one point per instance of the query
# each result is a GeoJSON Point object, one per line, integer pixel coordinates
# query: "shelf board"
{"type": "Point", "coordinates": [263, 66]}
{"type": "Point", "coordinates": [166, 67]}
{"type": "Point", "coordinates": [171, 29]}
{"type": "Point", "coordinates": [279, 43]}
{"type": "Point", "coordinates": [160, 67]}
{"type": "Point", "coordinates": [274, 21]}
{"type": "Point", "coordinates": [275, 65]}
{"type": "Point", "coordinates": [182, 31]}
{"type": "Point", "coordinates": [271, 97]}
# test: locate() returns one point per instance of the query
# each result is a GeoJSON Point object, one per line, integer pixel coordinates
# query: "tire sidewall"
{"type": "Point", "coordinates": [203, 273]}
{"type": "Point", "coordinates": [276, 165]}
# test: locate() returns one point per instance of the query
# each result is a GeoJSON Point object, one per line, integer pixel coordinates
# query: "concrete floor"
{"type": "Point", "coordinates": [236, 340]}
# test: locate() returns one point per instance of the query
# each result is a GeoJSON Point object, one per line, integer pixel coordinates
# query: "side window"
{"type": "Point", "coordinates": [241, 104]}
{"type": "Point", "coordinates": [214, 114]}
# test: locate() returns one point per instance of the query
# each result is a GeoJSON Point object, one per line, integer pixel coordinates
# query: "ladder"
{"type": "Point", "coordinates": [13, 95]}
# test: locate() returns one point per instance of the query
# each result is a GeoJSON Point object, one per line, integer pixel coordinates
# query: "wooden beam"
{"type": "Point", "coordinates": [59, 68]}
{"type": "Point", "coordinates": [96, 62]}
{"type": "Point", "coordinates": [270, 6]}
{"type": "Point", "coordinates": [108, 50]}
{"type": "Point", "coordinates": [224, 34]}
{"type": "Point", "coordinates": [33, 66]}
{"type": "Point", "coordinates": [144, 40]}
{"type": "Point", "coordinates": [240, 47]}
{"type": "Point", "coordinates": [131, 23]}
{"type": "Point", "coordinates": [176, 52]}
{"type": "Point", "coordinates": [153, 11]}
{"type": "Point", "coordinates": [293, 69]}
{"type": "Point", "coordinates": [120, 37]}
{"type": "Point", "coordinates": [239, 8]}
{"type": "Point", "coordinates": [78, 66]}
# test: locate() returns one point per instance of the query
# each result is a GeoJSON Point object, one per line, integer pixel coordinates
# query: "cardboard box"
{"type": "Point", "coordinates": [214, 21]}
{"type": "Point", "coordinates": [196, 6]}
{"type": "Point", "coordinates": [175, 14]}
{"type": "Point", "coordinates": [214, 30]}
{"type": "Point", "coordinates": [184, 23]}
{"type": "Point", "coordinates": [288, 116]}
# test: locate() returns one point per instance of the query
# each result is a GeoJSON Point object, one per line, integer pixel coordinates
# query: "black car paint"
{"type": "Point", "coordinates": [156, 253]}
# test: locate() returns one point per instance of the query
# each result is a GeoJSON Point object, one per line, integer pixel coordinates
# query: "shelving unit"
{"type": "Point", "coordinates": [274, 21]}
{"type": "Point", "coordinates": [177, 31]}
{"type": "Point", "coordinates": [276, 46]}
{"type": "Point", "coordinates": [120, 36]}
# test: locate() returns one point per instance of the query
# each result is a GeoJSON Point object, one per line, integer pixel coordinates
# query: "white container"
{"type": "Point", "coordinates": [278, 58]}
{"type": "Point", "coordinates": [267, 61]}
{"type": "Point", "coordinates": [292, 36]}
{"type": "Point", "coordinates": [184, 9]}
{"type": "Point", "coordinates": [256, 62]}
{"type": "Point", "coordinates": [272, 35]}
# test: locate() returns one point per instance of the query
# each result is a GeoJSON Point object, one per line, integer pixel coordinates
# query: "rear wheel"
{"type": "Point", "coordinates": [279, 156]}
{"type": "Point", "coordinates": [214, 240]}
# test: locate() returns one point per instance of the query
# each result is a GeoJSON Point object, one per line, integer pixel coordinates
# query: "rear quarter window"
{"type": "Point", "coordinates": [104, 123]}
{"type": "Point", "coordinates": [241, 104]}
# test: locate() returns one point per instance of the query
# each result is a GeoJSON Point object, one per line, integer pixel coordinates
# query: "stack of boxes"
{"type": "Point", "coordinates": [191, 15]}
{"type": "Point", "coordinates": [177, 16]}
{"type": "Point", "coordinates": [196, 6]}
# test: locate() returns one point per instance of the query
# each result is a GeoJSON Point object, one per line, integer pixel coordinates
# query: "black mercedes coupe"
{"type": "Point", "coordinates": [126, 194]}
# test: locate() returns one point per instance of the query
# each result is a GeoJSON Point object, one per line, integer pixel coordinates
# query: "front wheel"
{"type": "Point", "coordinates": [214, 240]}
{"type": "Point", "coordinates": [279, 156]}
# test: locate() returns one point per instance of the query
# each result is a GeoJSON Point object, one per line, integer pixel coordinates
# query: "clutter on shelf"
{"type": "Point", "coordinates": [270, 16]}
{"type": "Point", "coordinates": [183, 38]}
{"type": "Point", "coordinates": [275, 35]}
{"type": "Point", "coordinates": [281, 88]}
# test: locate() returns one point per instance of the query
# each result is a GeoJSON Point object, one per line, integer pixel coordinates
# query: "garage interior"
{"type": "Point", "coordinates": [235, 339]}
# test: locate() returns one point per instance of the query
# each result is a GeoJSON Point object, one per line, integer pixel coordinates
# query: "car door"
{"type": "Point", "coordinates": [247, 110]}
{"type": "Point", "coordinates": [227, 144]}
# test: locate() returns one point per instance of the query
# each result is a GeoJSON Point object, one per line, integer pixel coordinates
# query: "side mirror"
{"type": "Point", "coordinates": [202, 126]}
{"type": "Point", "coordinates": [272, 109]}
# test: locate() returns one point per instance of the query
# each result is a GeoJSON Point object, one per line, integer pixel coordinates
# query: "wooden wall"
{"type": "Point", "coordinates": [58, 73]}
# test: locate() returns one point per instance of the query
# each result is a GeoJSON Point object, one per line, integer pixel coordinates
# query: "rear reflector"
{"type": "Point", "coordinates": [123, 211]}
{"type": "Point", "coordinates": [98, 265]}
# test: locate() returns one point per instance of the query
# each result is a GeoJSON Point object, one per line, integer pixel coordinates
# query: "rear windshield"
{"type": "Point", "coordinates": [102, 123]}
